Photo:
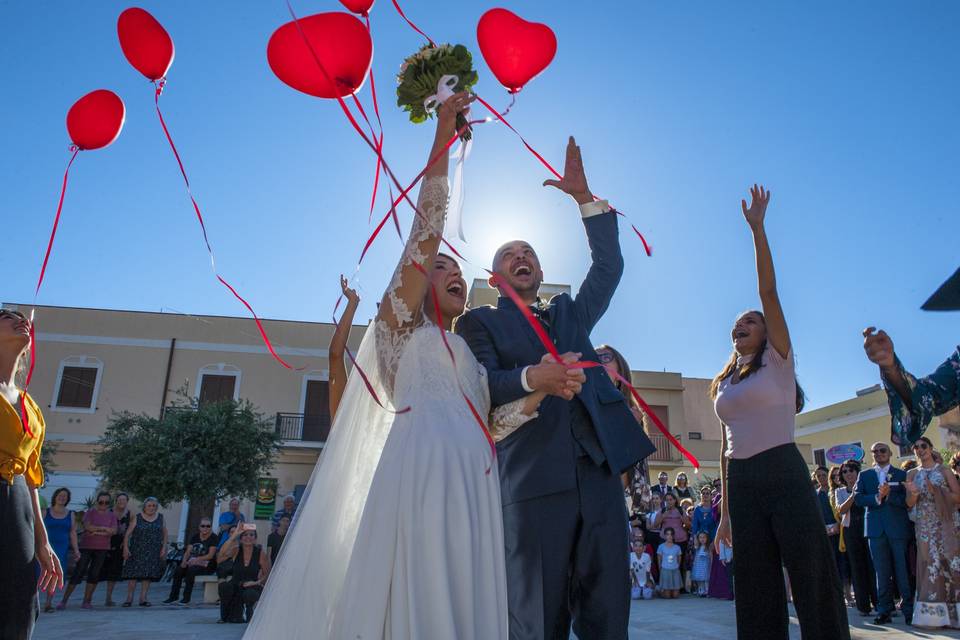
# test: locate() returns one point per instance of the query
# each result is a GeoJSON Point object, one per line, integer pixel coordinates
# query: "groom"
{"type": "Point", "coordinates": [564, 516]}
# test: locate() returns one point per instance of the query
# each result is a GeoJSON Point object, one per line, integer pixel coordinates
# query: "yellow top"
{"type": "Point", "coordinates": [19, 452]}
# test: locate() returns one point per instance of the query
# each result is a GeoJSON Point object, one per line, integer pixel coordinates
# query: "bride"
{"type": "Point", "coordinates": [400, 534]}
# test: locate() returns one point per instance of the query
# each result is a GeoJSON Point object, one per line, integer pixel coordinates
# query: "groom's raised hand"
{"type": "Point", "coordinates": [574, 180]}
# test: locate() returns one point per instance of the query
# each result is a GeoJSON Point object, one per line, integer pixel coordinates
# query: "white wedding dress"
{"type": "Point", "coordinates": [400, 536]}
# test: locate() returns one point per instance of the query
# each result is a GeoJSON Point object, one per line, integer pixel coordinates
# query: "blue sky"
{"type": "Point", "coordinates": [847, 111]}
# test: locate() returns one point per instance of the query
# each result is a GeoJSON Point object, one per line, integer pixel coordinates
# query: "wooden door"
{"type": "Point", "coordinates": [316, 411]}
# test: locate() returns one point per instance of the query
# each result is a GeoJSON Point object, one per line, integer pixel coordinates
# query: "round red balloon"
{"type": "Point", "coordinates": [358, 6]}
{"type": "Point", "coordinates": [338, 40]}
{"type": "Point", "coordinates": [95, 120]}
{"type": "Point", "coordinates": [515, 50]}
{"type": "Point", "coordinates": [145, 43]}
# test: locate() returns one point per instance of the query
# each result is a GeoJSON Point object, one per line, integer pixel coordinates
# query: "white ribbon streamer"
{"type": "Point", "coordinates": [457, 192]}
{"type": "Point", "coordinates": [445, 87]}
{"type": "Point", "coordinates": [444, 91]}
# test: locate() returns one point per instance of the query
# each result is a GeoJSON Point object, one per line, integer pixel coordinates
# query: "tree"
{"type": "Point", "coordinates": [196, 452]}
{"type": "Point", "coordinates": [47, 455]}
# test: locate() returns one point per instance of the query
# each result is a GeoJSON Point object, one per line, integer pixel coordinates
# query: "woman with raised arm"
{"type": "Point", "coordinates": [769, 514]}
{"type": "Point", "coordinates": [403, 538]}
{"type": "Point", "coordinates": [338, 347]}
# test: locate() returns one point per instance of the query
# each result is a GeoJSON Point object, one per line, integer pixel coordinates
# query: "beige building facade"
{"type": "Point", "coordinates": [93, 362]}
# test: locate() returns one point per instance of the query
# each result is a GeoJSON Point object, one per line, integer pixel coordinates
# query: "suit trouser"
{"type": "Point", "coordinates": [567, 559]}
{"type": "Point", "coordinates": [890, 561]}
{"type": "Point", "coordinates": [776, 521]}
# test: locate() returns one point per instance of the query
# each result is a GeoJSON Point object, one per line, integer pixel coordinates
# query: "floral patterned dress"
{"type": "Point", "coordinates": [930, 396]}
{"type": "Point", "coordinates": [938, 552]}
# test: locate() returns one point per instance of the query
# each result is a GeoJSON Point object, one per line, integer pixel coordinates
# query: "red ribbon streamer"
{"type": "Point", "coordinates": [376, 110]}
{"type": "Point", "coordinates": [24, 419]}
{"type": "Point", "coordinates": [498, 281]}
{"type": "Point", "coordinates": [263, 333]}
{"type": "Point", "coordinates": [366, 381]}
{"type": "Point", "coordinates": [346, 109]}
{"type": "Point", "coordinates": [56, 222]}
{"type": "Point", "coordinates": [415, 27]}
{"type": "Point", "coordinates": [543, 161]}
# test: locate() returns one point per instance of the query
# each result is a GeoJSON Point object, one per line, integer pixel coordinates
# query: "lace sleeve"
{"type": "Point", "coordinates": [507, 418]}
{"type": "Point", "coordinates": [401, 308]}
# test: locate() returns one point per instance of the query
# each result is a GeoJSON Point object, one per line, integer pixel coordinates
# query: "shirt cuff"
{"type": "Point", "coordinates": [594, 208]}
{"type": "Point", "coordinates": [879, 501]}
{"type": "Point", "coordinates": [523, 380]}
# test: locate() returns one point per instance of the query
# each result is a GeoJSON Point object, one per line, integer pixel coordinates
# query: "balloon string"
{"type": "Point", "coordinates": [499, 282]}
{"type": "Point", "coordinates": [453, 358]}
{"type": "Point", "coordinates": [203, 227]}
{"type": "Point", "coordinates": [409, 22]}
{"type": "Point", "coordinates": [343, 105]}
{"type": "Point", "coordinates": [356, 126]}
{"type": "Point", "coordinates": [543, 161]}
{"type": "Point", "coordinates": [379, 151]}
{"type": "Point", "coordinates": [56, 222]}
{"type": "Point", "coordinates": [24, 418]}
{"type": "Point", "coordinates": [376, 110]}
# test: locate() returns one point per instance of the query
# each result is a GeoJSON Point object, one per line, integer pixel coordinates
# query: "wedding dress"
{"type": "Point", "coordinates": [400, 533]}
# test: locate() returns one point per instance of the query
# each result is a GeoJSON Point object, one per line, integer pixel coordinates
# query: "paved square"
{"type": "Point", "coordinates": [687, 617]}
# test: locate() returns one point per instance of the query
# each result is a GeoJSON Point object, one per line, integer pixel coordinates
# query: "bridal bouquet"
{"type": "Point", "coordinates": [432, 75]}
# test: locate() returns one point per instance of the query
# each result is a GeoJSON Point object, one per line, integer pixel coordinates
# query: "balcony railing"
{"type": "Point", "coordinates": [665, 452]}
{"type": "Point", "coordinates": [307, 428]}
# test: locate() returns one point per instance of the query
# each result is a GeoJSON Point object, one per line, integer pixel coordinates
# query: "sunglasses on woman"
{"type": "Point", "coordinates": [921, 446]}
{"type": "Point", "coordinates": [605, 357]}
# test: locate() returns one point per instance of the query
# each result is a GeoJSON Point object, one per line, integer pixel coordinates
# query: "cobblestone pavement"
{"type": "Point", "coordinates": [687, 617]}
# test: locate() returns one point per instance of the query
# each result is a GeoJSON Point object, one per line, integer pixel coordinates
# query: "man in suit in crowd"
{"type": "Point", "coordinates": [881, 492]}
{"type": "Point", "coordinates": [663, 488]}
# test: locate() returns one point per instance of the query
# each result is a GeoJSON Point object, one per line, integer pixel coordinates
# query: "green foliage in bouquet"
{"type": "Point", "coordinates": [422, 71]}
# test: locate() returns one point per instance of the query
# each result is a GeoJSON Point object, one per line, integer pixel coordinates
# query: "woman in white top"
{"type": "Point", "coordinates": [769, 514]}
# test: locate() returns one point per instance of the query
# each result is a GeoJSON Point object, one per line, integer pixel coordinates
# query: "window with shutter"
{"type": "Point", "coordinates": [76, 387]}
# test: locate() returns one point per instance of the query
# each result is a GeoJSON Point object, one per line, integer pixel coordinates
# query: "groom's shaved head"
{"type": "Point", "coordinates": [512, 246]}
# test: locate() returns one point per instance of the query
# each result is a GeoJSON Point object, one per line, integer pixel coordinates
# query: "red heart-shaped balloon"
{"type": "Point", "coordinates": [358, 6]}
{"type": "Point", "coordinates": [96, 119]}
{"type": "Point", "coordinates": [341, 44]}
{"type": "Point", "coordinates": [515, 50]}
{"type": "Point", "coordinates": [145, 43]}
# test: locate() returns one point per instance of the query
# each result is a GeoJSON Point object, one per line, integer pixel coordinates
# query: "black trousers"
{"type": "Point", "coordinates": [776, 522]}
{"type": "Point", "coordinates": [567, 559]}
{"type": "Point", "coordinates": [18, 576]}
{"type": "Point", "coordinates": [91, 563]}
{"type": "Point", "coordinates": [861, 566]}
{"type": "Point", "coordinates": [186, 576]}
{"type": "Point", "coordinates": [236, 602]}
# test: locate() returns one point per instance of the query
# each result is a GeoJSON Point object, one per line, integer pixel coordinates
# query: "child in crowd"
{"type": "Point", "coordinates": [669, 555]}
{"type": "Point", "coordinates": [640, 564]}
{"type": "Point", "coordinates": [702, 558]}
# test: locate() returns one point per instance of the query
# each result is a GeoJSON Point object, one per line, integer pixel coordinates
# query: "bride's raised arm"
{"type": "Point", "coordinates": [400, 308]}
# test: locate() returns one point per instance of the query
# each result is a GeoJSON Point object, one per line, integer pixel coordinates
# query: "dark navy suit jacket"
{"type": "Point", "coordinates": [539, 458]}
{"type": "Point", "coordinates": [889, 518]}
